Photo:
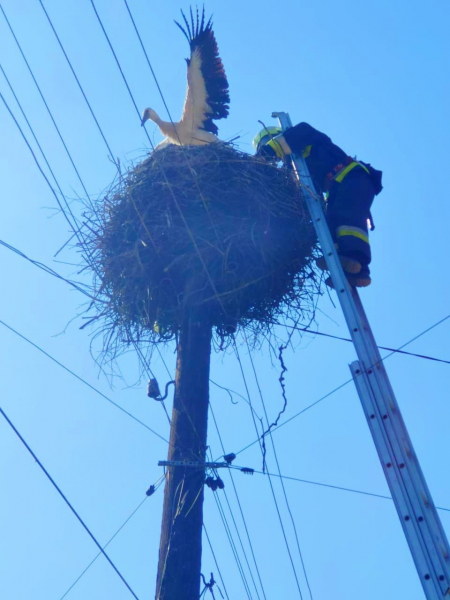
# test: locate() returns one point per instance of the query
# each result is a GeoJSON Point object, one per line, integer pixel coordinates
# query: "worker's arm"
{"type": "Point", "coordinates": [294, 140]}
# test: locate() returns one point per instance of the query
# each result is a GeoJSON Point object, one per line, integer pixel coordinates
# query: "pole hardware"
{"type": "Point", "coordinates": [153, 390]}
{"type": "Point", "coordinates": [192, 463]}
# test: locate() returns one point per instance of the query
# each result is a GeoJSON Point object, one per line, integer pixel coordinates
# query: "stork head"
{"type": "Point", "coordinates": [149, 113]}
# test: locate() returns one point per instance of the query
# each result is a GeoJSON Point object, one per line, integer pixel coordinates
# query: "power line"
{"type": "Point", "coordinates": [46, 105]}
{"type": "Point", "coordinates": [73, 227]}
{"type": "Point", "coordinates": [237, 531]}
{"type": "Point", "coordinates": [32, 130]}
{"type": "Point", "coordinates": [83, 381]}
{"type": "Point", "coordinates": [215, 560]}
{"type": "Point", "coordinates": [46, 269]}
{"type": "Point", "coordinates": [79, 84]}
{"type": "Point", "coordinates": [232, 545]}
{"type": "Point", "coordinates": [346, 383]}
{"type": "Point", "coordinates": [240, 506]}
{"type": "Point", "coordinates": [77, 285]}
{"type": "Point", "coordinates": [327, 485]}
{"type": "Point", "coordinates": [269, 479]}
{"type": "Point", "coordinates": [105, 546]}
{"type": "Point", "coordinates": [343, 339]}
{"type": "Point", "coordinates": [58, 489]}
{"type": "Point", "coordinates": [155, 486]}
{"type": "Point", "coordinates": [278, 464]}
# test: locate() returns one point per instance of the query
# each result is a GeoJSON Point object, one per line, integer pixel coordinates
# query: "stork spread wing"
{"type": "Point", "coordinates": [207, 95]}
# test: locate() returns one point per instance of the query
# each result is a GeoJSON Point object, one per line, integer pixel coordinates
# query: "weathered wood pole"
{"type": "Point", "coordinates": [181, 533]}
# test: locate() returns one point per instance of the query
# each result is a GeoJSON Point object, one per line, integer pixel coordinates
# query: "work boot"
{"type": "Point", "coordinates": [361, 279]}
{"type": "Point", "coordinates": [350, 265]}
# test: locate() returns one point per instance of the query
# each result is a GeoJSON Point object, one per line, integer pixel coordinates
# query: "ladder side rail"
{"type": "Point", "coordinates": [367, 351]}
{"type": "Point", "coordinates": [428, 509]}
{"type": "Point", "coordinates": [411, 472]}
{"type": "Point", "coordinates": [399, 489]}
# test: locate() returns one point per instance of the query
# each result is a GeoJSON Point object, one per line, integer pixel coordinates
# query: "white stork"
{"type": "Point", "coordinates": [207, 95]}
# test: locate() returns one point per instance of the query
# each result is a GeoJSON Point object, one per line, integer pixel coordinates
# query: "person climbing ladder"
{"type": "Point", "coordinates": [348, 185]}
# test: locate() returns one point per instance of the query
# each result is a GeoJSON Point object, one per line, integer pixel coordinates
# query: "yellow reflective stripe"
{"type": "Point", "coordinates": [307, 151]}
{"type": "Point", "coordinates": [347, 170]}
{"type": "Point", "coordinates": [342, 231]}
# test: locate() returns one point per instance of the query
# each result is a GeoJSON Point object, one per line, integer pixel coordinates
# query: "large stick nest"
{"type": "Point", "coordinates": [203, 226]}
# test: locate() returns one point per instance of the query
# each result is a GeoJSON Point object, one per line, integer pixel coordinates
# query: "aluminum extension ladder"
{"type": "Point", "coordinates": [421, 523]}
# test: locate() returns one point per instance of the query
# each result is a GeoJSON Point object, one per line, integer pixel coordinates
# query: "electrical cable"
{"type": "Point", "coordinates": [278, 467]}
{"type": "Point", "coordinates": [236, 529]}
{"type": "Point", "coordinates": [32, 130]}
{"type": "Point", "coordinates": [46, 269]}
{"type": "Point", "coordinates": [269, 478]}
{"type": "Point", "coordinates": [107, 544]}
{"type": "Point", "coordinates": [240, 509]}
{"type": "Point", "coordinates": [72, 227]}
{"type": "Point", "coordinates": [77, 285]}
{"type": "Point", "coordinates": [327, 485]}
{"type": "Point", "coordinates": [83, 381]}
{"type": "Point", "coordinates": [232, 545]}
{"type": "Point", "coordinates": [346, 383]}
{"type": "Point", "coordinates": [47, 106]}
{"type": "Point", "coordinates": [58, 489]}
{"type": "Point", "coordinates": [215, 561]}
{"type": "Point", "coordinates": [80, 86]}
{"type": "Point", "coordinates": [343, 339]}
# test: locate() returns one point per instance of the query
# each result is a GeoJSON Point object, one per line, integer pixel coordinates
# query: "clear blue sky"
{"type": "Point", "coordinates": [373, 76]}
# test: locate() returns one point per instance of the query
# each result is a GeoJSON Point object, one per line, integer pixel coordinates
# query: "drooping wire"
{"type": "Point", "coordinates": [269, 479]}
{"type": "Point", "coordinates": [83, 381]}
{"type": "Point", "coordinates": [339, 387]}
{"type": "Point", "coordinates": [244, 552]}
{"type": "Point", "coordinates": [294, 527]}
{"type": "Point", "coordinates": [60, 492]}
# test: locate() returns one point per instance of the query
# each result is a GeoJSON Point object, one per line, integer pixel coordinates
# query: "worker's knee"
{"type": "Point", "coordinates": [354, 242]}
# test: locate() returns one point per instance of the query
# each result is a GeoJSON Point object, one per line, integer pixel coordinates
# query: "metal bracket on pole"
{"type": "Point", "coordinates": [191, 463]}
{"type": "Point", "coordinates": [421, 523]}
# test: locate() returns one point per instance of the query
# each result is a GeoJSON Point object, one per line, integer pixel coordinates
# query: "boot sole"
{"type": "Point", "coordinates": [348, 264]}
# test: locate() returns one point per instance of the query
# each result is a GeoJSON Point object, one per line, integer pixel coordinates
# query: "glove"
{"type": "Point", "coordinates": [274, 149]}
{"type": "Point", "coordinates": [267, 152]}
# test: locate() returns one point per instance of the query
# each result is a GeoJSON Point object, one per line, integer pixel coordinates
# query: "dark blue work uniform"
{"type": "Point", "coordinates": [350, 186]}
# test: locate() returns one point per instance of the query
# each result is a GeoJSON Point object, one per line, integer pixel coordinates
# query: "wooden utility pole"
{"type": "Point", "coordinates": [180, 548]}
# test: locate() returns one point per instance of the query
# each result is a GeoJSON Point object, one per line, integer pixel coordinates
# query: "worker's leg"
{"type": "Point", "coordinates": [347, 215]}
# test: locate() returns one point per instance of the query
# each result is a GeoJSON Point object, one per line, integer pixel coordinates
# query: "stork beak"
{"type": "Point", "coordinates": [143, 122]}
